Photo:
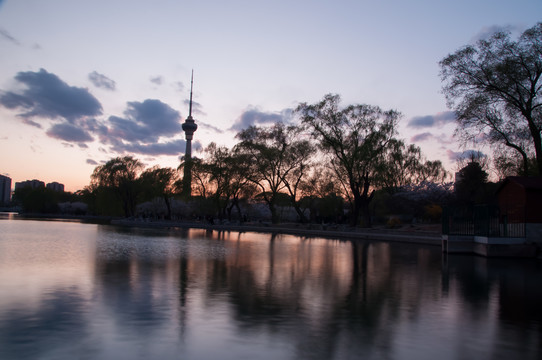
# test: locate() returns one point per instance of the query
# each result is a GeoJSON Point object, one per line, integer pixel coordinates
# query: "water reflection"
{"type": "Point", "coordinates": [133, 293]}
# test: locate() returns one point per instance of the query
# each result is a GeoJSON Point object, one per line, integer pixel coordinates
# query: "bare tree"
{"type": "Point", "coordinates": [495, 88]}
{"type": "Point", "coordinates": [357, 137]}
{"type": "Point", "coordinates": [276, 161]}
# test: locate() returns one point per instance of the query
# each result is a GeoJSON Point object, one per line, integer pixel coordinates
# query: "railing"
{"type": "Point", "coordinates": [483, 220]}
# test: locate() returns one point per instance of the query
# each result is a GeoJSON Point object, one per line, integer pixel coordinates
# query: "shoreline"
{"type": "Point", "coordinates": [409, 234]}
{"type": "Point", "coordinates": [425, 234]}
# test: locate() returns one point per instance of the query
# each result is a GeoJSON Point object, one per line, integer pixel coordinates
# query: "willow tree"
{"type": "Point", "coordinates": [405, 165]}
{"type": "Point", "coordinates": [226, 173]}
{"type": "Point", "coordinates": [160, 182]}
{"type": "Point", "coordinates": [357, 138]}
{"type": "Point", "coordinates": [495, 88]}
{"type": "Point", "coordinates": [276, 162]}
{"type": "Point", "coordinates": [120, 176]}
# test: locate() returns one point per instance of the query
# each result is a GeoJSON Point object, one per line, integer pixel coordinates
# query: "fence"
{"type": "Point", "coordinates": [483, 220]}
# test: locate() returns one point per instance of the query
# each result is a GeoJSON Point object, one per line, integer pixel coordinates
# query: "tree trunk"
{"type": "Point", "coordinates": [362, 201]}
{"type": "Point", "coordinates": [537, 139]}
{"type": "Point", "coordinates": [538, 152]}
{"type": "Point", "coordinates": [302, 217]}
{"type": "Point", "coordinates": [355, 210]}
{"type": "Point", "coordinates": [366, 213]}
{"type": "Point", "coordinates": [168, 207]}
{"type": "Point", "coordinates": [274, 214]}
{"type": "Point", "coordinates": [241, 220]}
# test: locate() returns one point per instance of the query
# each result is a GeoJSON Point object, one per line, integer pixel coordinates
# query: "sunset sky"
{"type": "Point", "coordinates": [84, 81]}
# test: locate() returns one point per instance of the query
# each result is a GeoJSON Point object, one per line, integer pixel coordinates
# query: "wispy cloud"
{"type": "Point", "coordinates": [196, 107]}
{"type": "Point", "coordinates": [69, 132]}
{"type": "Point", "coordinates": [210, 127]}
{"type": "Point", "coordinates": [467, 154]}
{"type": "Point", "coordinates": [157, 80]}
{"type": "Point", "coordinates": [178, 86]}
{"type": "Point", "coordinates": [102, 81]}
{"type": "Point", "coordinates": [7, 36]}
{"type": "Point", "coordinates": [174, 147]}
{"type": "Point", "coordinates": [488, 31]}
{"type": "Point", "coordinates": [437, 120]}
{"type": "Point", "coordinates": [421, 137]}
{"type": "Point", "coordinates": [254, 116]}
{"type": "Point", "coordinates": [427, 136]}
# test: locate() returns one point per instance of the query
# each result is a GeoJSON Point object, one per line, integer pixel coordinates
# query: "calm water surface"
{"type": "Point", "coordinates": [81, 291]}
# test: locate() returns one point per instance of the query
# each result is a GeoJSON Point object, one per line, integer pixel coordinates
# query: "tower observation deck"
{"type": "Point", "coordinates": [189, 127]}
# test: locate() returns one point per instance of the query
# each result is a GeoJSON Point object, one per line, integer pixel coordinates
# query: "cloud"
{"type": "Point", "coordinates": [158, 80]}
{"type": "Point", "coordinates": [6, 35]}
{"type": "Point", "coordinates": [421, 137]}
{"type": "Point", "coordinates": [142, 129]}
{"type": "Point", "coordinates": [91, 162]}
{"type": "Point", "coordinates": [256, 117]}
{"type": "Point", "coordinates": [12, 100]}
{"type": "Point", "coordinates": [178, 86]}
{"type": "Point", "coordinates": [467, 154]}
{"type": "Point", "coordinates": [437, 120]}
{"type": "Point", "coordinates": [150, 127]}
{"type": "Point", "coordinates": [146, 121]}
{"type": "Point", "coordinates": [47, 96]}
{"type": "Point", "coordinates": [196, 107]}
{"type": "Point", "coordinates": [211, 127]}
{"type": "Point", "coordinates": [488, 31]}
{"type": "Point", "coordinates": [173, 147]}
{"type": "Point", "coordinates": [69, 132]}
{"type": "Point", "coordinates": [102, 81]}
{"type": "Point", "coordinates": [32, 123]}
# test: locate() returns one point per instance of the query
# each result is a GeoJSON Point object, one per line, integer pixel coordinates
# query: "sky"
{"type": "Point", "coordinates": [82, 82]}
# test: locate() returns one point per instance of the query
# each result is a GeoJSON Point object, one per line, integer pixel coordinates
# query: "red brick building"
{"type": "Point", "coordinates": [521, 198]}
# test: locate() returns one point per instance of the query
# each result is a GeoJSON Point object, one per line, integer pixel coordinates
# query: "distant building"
{"type": "Point", "coordinates": [34, 184]}
{"type": "Point", "coordinates": [5, 189]}
{"type": "Point", "coordinates": [56, 186]}
{"type": "Point", "coordinates": [522, 197]}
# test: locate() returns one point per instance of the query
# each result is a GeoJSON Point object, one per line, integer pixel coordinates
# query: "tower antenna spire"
{"type": "Point", "coordinates": [191, 86]}
{"type": "Point", "coordinates": [189, 126]}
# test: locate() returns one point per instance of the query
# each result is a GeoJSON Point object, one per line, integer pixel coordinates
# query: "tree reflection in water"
{"type": "Point", "coordinates": [194, 293]}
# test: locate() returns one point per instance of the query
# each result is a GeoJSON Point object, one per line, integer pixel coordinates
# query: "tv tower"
{"type": "Point", "coordinates": [189, 127]}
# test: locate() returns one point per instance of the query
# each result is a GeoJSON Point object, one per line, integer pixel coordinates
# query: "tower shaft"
{"type": "Point", "coordinates": [189, 127]}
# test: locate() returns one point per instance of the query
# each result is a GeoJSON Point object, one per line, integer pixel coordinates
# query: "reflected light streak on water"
{"type": "Point", "coordinates": [71, 290]}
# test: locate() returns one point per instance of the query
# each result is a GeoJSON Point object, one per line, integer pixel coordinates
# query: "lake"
{"type": "Point", "coordinates": [71, 290]}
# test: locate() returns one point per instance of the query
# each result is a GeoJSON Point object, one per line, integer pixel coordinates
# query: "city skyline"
{"type": "Point", "coordinates": [86, 82]}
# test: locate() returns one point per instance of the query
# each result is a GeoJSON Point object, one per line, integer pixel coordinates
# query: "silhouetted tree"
{"type": "Point", "coordinates": [39, 200]}
{"type": "Point", "coordinates": [238, 188]}
{"type": "Point", "coordinates": [120, 175]}
{"type": "Point", "coordinates": [300, 156]}
{"type": "Point", "coordinates": [357, 138]}
{"type": "Point", "coordinates": [217, 170]}
{"type": "Point", "coordinates": [510, 164]}
{"type": "Point", "coordinates": [199, 178]}
{"type": "Point", "coordinates": [495, 88]}
{"type": "Point", "coordinates": [159, 182]}
{"type": "Point", "coordinates": [276, 162]}
{"type": "Point", "coordinates": [470, 184]}
{"type": "Point", "coordinates": [405, 165]}
{"type": "Point", "coordinates": [322, 195]}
